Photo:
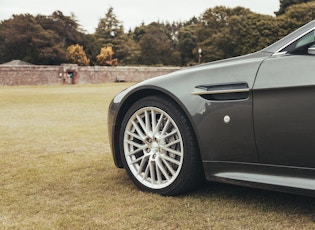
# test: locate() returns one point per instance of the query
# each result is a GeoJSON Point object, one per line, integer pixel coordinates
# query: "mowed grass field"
{"type": "Point", "coordinates": [56, 172]}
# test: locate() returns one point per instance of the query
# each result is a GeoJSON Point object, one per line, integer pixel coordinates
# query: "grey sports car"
{"type": "Point", "coordinates": [248, 120]}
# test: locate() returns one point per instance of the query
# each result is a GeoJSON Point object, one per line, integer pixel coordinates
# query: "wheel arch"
{"type": "Point", "coordinates": [132, 98]}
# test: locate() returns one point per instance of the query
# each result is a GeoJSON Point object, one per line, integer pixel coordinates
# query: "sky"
{"type": "Point", "coordinates": [131, 13]}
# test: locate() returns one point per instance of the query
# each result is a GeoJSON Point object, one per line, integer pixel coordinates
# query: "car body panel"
{"type": "Point", "coordinates": [284, 110]}
{"type": "Point", "coordinates": [278, 178]}
{"type": "Point", "coordinates": [252, 116]}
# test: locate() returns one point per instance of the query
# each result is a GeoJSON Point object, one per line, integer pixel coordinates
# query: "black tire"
{"type": "Point", "coordinates": [158, 147]}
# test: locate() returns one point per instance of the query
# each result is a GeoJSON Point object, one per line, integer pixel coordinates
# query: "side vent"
{"type": "Point", "coordinates": [223, 92]}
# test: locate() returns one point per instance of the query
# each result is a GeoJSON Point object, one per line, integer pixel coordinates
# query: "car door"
{"type": "Point", "coordinates": [284, 106]}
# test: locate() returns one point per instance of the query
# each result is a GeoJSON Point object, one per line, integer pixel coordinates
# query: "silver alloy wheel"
{"type": "Point", "coordinates": [153, 147]}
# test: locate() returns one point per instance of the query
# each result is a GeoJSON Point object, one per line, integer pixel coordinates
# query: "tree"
{"type": "Point", "coordinates": [105, 58]}
{"type": "Point", "coordinates": [131, 52]}
{"type": "Point", "coordinates": [110, 32]}
{"type": "Point", "coordinates": [300, 13]}
{"type": "Point", "coordinates": [187, 42]}
{"type": "Point", "coordinates": [33, 44]}
{"type": "Point", "coordinates": [22, 46]}
{"type": "Point", "coordinates": [64, 31]}
{"type": "Point", "coordinates": [66, 27]}
{"type": "Point", "coordinates": [91, 46]}
{"type": "Point", "coordinates": [76, 55]}
{"type": "Point", "coordinates": [156, 46]}
{"type": "Point", "coordinates": [108, 28]}
{"type": "Point", "coordinates": [284, 4]}
{"type": "Point", "coordinates": [252, 32]}
{"type": "Point", "coordinates": [229, 32]}
{"type": "Point", "coordinates": [38, 40]}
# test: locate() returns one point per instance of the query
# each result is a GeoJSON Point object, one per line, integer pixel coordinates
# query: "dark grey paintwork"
{"type": "Point", "coordinates": [269, 96]}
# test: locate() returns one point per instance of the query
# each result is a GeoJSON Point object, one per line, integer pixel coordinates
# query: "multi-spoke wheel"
{"type": "Point", "coordinates": [158, 148]}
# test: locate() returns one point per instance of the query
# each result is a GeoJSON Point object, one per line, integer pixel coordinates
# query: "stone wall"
{"type": "Point", "coordinates": [73, 74]}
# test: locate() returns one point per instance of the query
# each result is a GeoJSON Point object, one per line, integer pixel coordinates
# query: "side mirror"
{"type": "Point", "coordinates": [311, 50]}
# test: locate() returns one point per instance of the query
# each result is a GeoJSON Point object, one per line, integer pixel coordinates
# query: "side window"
{"type": "Point", "coordinates": [301, 45]}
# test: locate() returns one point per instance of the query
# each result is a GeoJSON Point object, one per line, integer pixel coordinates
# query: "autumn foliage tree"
{"type": "Point", "coordinates": [105, 58]}
{"type": "Point", "coordinates": [76, 55]}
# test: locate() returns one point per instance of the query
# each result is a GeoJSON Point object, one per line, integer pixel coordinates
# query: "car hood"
{"type": "Point", "coordinates": [213, 72]}
{"type": "Point", "coordinates": [180, 84]}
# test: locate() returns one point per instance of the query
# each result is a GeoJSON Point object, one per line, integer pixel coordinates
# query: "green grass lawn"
{"type": "Point", "coordinates": [57, 172]}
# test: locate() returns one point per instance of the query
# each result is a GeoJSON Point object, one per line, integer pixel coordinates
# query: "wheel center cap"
{"type": "Point", "coordinates": [155, 147]}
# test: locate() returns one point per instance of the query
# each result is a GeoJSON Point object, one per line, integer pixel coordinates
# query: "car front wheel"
{"type": "Point", "coordinates": [159, 150]}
